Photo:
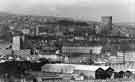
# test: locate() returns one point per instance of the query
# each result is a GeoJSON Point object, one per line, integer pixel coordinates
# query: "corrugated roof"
{"type": "Point", "coordinates": [79, 67]}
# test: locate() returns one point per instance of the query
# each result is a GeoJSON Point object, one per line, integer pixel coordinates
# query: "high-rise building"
{"type": "Point", "coordinates": [107, 20]}
{"type": "Point", "coordinates": [106, 23]}
{"type": "Point", "coordinates": [16, 43]}
{"type": "Point", "coordinates": [37, 31]}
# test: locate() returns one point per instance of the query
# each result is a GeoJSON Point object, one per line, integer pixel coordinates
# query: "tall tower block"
{"type": "Point", "coordinates": [36, 31]}
{"type": "Point", "coordinates": [106, 22]}
{"type": "Point", "coordinates": [16, 43]}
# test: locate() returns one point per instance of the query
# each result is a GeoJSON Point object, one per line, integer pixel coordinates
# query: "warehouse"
{"type": "Point", "coordinates": [87, 70]}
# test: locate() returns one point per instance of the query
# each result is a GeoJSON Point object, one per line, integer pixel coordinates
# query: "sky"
{"type": "Point", "coordinates": [120, 10]}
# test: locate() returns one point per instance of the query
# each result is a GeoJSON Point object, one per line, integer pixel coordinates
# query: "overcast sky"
{"type": "Point", "coordinates": [121, 10]}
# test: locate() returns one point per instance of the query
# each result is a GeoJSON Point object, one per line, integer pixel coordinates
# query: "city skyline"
{"type": "Point", "coordinates": [121, 10]}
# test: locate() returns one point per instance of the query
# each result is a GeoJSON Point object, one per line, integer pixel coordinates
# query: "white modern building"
{"type": "Point", "coordinates": [16, 43]}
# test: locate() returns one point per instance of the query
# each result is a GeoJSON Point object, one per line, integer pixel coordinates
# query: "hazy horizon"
{"type": "Point", "coordinates": [121, 10]}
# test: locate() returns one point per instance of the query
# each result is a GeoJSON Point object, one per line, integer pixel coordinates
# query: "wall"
{"type": "Point", "coordinates": [123, 67]}
{"type": "Point", "coordinates": [129, 55]}
{"type": "Point", "coordinates": [116, 59]}
{"type": "Point", "coordinates": [89, 81]}
{"type": "Point", "coordinates": [25, 52]}
{"type": "Point", "coordinates": [5, 52]}
{"type": "Point", "coordinates": [95, 49]}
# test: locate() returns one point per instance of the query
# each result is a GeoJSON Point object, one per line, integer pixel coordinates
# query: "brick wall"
{"type": "Point", "coordinates": [22, 52]}
{"type": "Point", "coordinates": [5, 52]}
{"type": "Point", "coordinates": [25, 52]}
{"type": "Point", "coordinates": [89, 81]}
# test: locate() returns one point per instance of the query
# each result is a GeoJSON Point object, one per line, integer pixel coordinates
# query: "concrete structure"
{"type": "Point", "coordinates": [107, 20]}
{"type": "Point", "coordinates": [25, 52]}
{"type": "Point", "coordinates": [16, 43]}
{"type": "Point", "coordinates": [129, 56]}
{"type": "Point", "coordinates": [69, 49]}
{"type": "Point", "coordinates": [123, 67]}
{"type": "Point", "coordinates": [25, 31]}
{"type": "Point", "coordinates": [22, 53]}
{"type": "Point", "coordinates": [51, 57]}
{"type": "Point", "coordinates": [116, 59]}
{"type": "Point", "coordinates": [58, 68]}
{"type": "Point", "coordinates": [106, 23]}
{"type": "Point", "coordinates": [37, 31]}
{"type": "Point", "coordinates": [5, 52]}
{"type": "Point", "coordinates": [77, 55]}
{"type": "Point", "coordinates": [88, 70]}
